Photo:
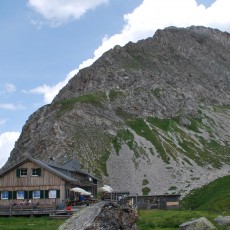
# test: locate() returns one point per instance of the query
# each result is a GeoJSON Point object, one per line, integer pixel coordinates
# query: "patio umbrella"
{"type": "Point", "coordinates": [86, 193]}
{"type": "Point", "coordinates": [105, 188]}
{"type": "Point", "coordinates": [79, 190]}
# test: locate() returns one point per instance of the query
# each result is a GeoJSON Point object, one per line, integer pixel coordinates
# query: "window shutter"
{"type": "Point", "coordinates": [10, 195]}
{"type": "Point", "coordinates": [26, 195]}
{"type": "Point", "coordinates": [30, 194]}
{"type": "Point", "coordinates": [18, 172]}
{"type": "Point", "coordinates": [14, 194]}
{"type": "Point", "coordinates": [58, 193]}
{"type": "Point", "coordinates": [46, 193]}
{"type": "Point", "coordinates": [39, 172]}
{"type": "Point", "coordinates": [42, 194]}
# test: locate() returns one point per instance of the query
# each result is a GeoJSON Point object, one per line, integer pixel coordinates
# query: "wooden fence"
{"type": "Point", "coordinates": [28, 209]}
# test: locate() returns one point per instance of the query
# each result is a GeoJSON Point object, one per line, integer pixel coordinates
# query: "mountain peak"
{"type": "Point", "coordinates": [149, 117]}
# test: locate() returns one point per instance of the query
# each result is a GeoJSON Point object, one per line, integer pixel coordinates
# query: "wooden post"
{"type": "Point", "coordinates": [10, 210]}
{"type": "Point", "coordinates": [31, 209]}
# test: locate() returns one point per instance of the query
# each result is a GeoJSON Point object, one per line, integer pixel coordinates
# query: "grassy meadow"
{"type": "Point", "coordinates": [29, 223]}
{"type": "Point", "coordinates": [168, 220]}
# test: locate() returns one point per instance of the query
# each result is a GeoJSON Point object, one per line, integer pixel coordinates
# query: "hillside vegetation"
{"type": "Point", "coordinates": [214, 197]}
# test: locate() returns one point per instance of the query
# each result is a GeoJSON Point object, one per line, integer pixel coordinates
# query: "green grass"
{"type": "Point", "coordinates": [195, 124]}
{"type": "Point", "coordinates": [142, 129]}
{"type": "Point", "coordinates": [159, 133]}
{"type": "Point", "coordinates": [170, 220]}
{"type": "Point", "coordinates": [123, 136]}
{"type": "Point", "coordinates": [124, 115]}
{"type": "Point", "coordinates": [163, 124]}
{"type": "Point", "coordinates": [92, 98]}
{"type": "Point", "coordinates": [114, 94]}
{"type": "Point", "coordinates": [29, 223]}
{"type": "Point", "coordinates": [101, 162]}
{"type": "Point", "coordinates": [213, 197]}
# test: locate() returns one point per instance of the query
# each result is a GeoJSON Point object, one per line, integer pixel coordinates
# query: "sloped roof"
{"type": "Point", "coordinates": [70, 168]}
{"type": "Point", "coordinates": [42, 165]}
{"type": "Point", "coordinates": [72, 163]}
{"type": "Point", "coordinates": [53, 170]}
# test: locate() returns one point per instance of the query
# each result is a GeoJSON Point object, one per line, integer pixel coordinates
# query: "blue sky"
{"type": "Point", "coordinates": [42, 42]}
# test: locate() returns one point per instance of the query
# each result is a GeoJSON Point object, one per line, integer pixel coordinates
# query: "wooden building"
{"type": "Point", "coordinates": [167, 201]}
{"type": "Point", "coordinates": [40, 182]}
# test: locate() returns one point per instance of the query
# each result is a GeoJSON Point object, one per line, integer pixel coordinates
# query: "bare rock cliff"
{"type": "Point", "coordinates": [151, 117]}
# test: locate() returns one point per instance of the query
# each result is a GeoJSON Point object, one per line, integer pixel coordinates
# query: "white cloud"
{"type": "Point", "coordinates": [58, 12]}
{"type": "Point", "coordinates": [10, 106]}
{"type": "Point", "coordinates": [49, 92]}
{"type": "Point", "coordinates": [146, 19]}
{"type": "Point", "coordinates": [7, 141]}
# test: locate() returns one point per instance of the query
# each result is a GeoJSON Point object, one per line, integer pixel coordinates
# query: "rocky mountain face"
{"type": "Point", "coordinates": [151, 117]}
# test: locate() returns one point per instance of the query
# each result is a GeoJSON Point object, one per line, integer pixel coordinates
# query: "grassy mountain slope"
{"type": "Point", "coordinates": [214, 197]}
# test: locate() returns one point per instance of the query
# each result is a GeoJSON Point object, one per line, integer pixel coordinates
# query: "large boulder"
{"type": "Point", "coordinates": [103, 216]}
{"type": "Point", "coordinates": [223, 220]}
{"type": "Point", "coordinates": [197, 224]}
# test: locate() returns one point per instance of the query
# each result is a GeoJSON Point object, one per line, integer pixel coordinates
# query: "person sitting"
{"type": "Point", "coordinates": [81, 198]}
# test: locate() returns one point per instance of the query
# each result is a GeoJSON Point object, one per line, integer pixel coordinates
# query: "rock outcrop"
{"type": "Point", "coordinates": [102, 216]}
{"type": "Point", "coordinates": [197, 224]}
{"type": "Point", "coordinates": [149, 117]}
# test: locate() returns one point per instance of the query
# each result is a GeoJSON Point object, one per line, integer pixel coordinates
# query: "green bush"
{"type": "Point", "coordinates": [146, 191]}
{"type": "Point", "coordinates": [145, 182]}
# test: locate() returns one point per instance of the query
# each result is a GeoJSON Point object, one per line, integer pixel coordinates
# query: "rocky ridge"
{"type": "Point", "coordinates": [150, 117]}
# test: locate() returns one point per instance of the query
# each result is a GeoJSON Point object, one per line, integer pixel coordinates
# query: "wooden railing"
{"type": "Point", "coordinates": [27, 209]}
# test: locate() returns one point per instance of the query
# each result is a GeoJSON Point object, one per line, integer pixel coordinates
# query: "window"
{"type": "Point", "coordinates": [36, 172]}
{"type": "Point", "coordinates": [52, 193]}
{"type": "Point", "coordinates": [20, 195]}
{"type": "Point", "coordinates": [21, 172]}
{"type": "Point", "coordinates": [5, 195]}
{"type": "Point", "coordinates": [36, 194]}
